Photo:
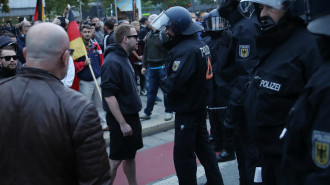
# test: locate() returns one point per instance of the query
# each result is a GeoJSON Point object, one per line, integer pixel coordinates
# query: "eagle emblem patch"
{"type": "Point", "coordinates": [176, 65]}
{"type": "Point", "coordinates": [244, 51]}
{"type": "Point", "coordinates": [320, 151]}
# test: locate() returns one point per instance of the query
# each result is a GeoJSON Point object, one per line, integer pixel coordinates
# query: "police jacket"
{"type": "Point", "coordinates": [50, 134]}
{"type": "Point", "coordinates": [118, 79]}
{"type": "Point", "coordinates": [237, 59]}
{"type": "Point", "coordinates": [189, 67]}
{"type": "Point", "coordinates": [306, 157]}
{"type": "Point", "coordinates": [287, 60]}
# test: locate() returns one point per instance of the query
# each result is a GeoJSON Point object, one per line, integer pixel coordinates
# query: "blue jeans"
{"type": "Point", "coordinates": [155, 76]}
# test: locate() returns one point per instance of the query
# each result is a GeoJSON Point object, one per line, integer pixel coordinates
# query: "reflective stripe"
{"type": "Point", "coordinates": [160, 67]}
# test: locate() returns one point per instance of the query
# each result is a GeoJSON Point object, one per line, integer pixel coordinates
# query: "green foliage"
{"type": "Point", "coordinates": [56, 7]}
{"type": "Point", "coordinates": [5, 8]}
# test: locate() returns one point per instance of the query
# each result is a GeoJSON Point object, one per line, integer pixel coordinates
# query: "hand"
{"type": "Point", "coordinates": [143, 71]}
{"type": "Point", "coordinates": [87, 61]}
{"type": "Point", "coordinates": [126, 129]}
{"type": "Point", "coordinates": [57, 21]}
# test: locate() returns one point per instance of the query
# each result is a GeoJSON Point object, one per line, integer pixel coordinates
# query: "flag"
{"type": "Point", "coordinates": [39, 13]}
{"type": "Point", "coordinates": [76, 41]}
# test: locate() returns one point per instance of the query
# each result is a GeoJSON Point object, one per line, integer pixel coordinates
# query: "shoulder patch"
{"type": "Point", "coordinates": [244, 50]}
{"type": "Point", "coordinates": [176, 65]}
{"type": "Point", "coordinates": [320, 150]}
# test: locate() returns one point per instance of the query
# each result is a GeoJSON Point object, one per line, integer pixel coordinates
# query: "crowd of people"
{"type": "Point", "coordinates": [257, 68]}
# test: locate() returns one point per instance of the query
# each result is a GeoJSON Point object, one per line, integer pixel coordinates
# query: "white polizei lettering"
{"type": "Point", "coordinates": [205, 50]}
{"type": "Point", "coordinates": [270, 85]}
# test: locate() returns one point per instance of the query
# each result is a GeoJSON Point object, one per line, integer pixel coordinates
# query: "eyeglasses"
{"type": "Point", "coordinates": [70, 51]}
{"type": "Point", "coordinates": [135, 36]}
{"type": "Point", "coordinates": [8, 58]}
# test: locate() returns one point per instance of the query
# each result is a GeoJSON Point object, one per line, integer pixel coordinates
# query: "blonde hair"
{"type": "Point", "coordinates": [135, 23]}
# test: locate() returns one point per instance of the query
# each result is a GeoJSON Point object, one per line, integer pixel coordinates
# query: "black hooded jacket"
{"type": "Point", "coordinates": [118, 79]}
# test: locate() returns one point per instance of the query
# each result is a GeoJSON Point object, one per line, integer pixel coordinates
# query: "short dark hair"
{"type": "Point", "coordinates": [122, 31]}
{"type": "Point", "coordinates": [85, 26]}
{"type": "Point", "coordinates": [10, 47]}
{"type": "Point", "coordinates": [109, 24]}
{"type": "Point", "coordinates": [143, 20]}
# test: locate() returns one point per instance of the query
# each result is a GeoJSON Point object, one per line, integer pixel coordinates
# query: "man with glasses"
{"type": "Point", "coordinates": [49, 134]}
{"type": "Point", "coordinates": [86, 81]}
{"type": "Point", "coordinates": [9, 65]}
{"type": "Point", "coordinates": [122, 103]}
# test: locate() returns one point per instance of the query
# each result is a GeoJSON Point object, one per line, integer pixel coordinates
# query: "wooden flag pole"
{"type": "Point", "coordinates": [96, 84]}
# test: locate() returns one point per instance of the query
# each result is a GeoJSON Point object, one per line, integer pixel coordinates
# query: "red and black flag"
{"type": "Point", "coordinates": [39, 13]}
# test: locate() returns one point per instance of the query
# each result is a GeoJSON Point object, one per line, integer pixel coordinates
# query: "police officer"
{"type": "Point", "coordinates": [288, 57]}
{"type": "Point", "coordinates": [230, 79]}
{"type": "Point", "coordinates": [306, 157]}
{"type": "Point", "coordinates": [218, 38]}
{"type": "Point", "coordinates": [188, 73]}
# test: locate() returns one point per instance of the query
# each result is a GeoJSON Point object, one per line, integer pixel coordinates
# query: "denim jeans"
{"type": "Point", "coordinates": [154, 78]}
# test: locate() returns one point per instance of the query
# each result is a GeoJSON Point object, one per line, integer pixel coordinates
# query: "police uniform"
{"type": "Point", "coordinates": [287, 60]}
{"type": "Point", "coordinates": [189, 67]}
{"type": "Point", "coordinates": [307, 141]}
{"type": "Point", "coordinates": [233, 75]}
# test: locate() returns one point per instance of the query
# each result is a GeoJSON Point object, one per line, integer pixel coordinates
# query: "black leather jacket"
{"type": "Point", "coordinates": [50, 134]}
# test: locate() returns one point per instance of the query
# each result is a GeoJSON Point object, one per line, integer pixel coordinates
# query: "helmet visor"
{"type": "Point", "coordinates": [161, 22]}
{"type": "Point", "coordinates": [216, 24]}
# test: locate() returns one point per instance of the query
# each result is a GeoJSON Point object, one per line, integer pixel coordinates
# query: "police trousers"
{"type": "Point", "coordinates": [191, 139]}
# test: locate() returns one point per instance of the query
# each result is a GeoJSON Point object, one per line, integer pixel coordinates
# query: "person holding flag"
{"type": "Point", "coordinates": [88, 59]}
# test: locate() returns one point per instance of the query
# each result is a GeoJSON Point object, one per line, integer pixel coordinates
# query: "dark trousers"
{"type": "Point", "coordinates": [247, 153]}
{"type": "Point", "coordinates": [191, 139]}
{"type": "Point", "coordinates": [223, 137]}
{"type": "Point", "coordinates": [154, 77]}
{"type": "Point", "coordinates": [137, 69]}
{"type": "Point", "coordinates": [270, 165]}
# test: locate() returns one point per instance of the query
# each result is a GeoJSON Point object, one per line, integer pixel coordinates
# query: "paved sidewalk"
{"type": "Point", "coordinates": [154, 125]}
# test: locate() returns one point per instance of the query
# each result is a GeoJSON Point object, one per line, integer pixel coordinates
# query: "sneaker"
{"type": "Point", "coordinates": [143, 92]}
{"type": "Point", "coordinates": [143, 116]}
{"type": "Point", "coordinates": [168, 116]}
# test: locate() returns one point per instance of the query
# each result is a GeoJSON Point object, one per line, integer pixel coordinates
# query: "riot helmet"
{"type": "Point", "coordinates": [179, 20]}
{"type": "Point", "coordinates": [268, 23]}
{"type": "Point", "coordinates": [318, 13]}
{"type": "Point", "coordinates": [225, 7]}
{"type": "Point", "coordinates": [214, 22]}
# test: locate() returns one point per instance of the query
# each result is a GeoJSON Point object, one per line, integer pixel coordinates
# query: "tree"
{"type": "Point", "coordinates": [4, 6]}
{"type": "Point", "coordinates": [56, 7]}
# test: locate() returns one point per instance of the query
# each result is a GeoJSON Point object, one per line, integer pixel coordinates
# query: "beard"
{"type": "Point", "coordinates": [8, 71]}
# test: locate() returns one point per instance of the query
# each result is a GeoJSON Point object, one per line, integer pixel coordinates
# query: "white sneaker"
{"type": "Point", "coordinates": [143, 116]}
{"type": "Point", "coordinates": [168, 116]}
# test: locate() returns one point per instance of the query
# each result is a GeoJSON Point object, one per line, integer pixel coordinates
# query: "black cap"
{"type": "Point", "coordinates": [6, 41]}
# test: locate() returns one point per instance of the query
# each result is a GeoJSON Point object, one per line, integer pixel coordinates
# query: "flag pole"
{"type": "Point", "coordinates": [96, 84]}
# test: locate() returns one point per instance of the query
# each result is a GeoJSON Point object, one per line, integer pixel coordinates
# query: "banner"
{"type": "Point", "coordinates": [128, 10]}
